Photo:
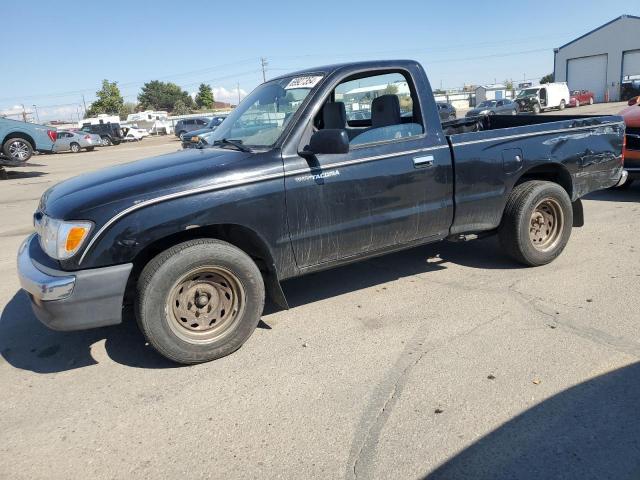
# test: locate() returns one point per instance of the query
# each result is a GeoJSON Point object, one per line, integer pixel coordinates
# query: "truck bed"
{"type": "Point", "coordinates": [490, 152]}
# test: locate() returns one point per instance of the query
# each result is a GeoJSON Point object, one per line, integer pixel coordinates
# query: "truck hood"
{"type": "Point", "coordinates": [113, 189]}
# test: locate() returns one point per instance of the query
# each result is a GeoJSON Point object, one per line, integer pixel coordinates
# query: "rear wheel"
{"type": "Point", "coordinates": [562, 105]}
{"type": "Point", "coordinates": [74, 147]}
{"type": "Point", "coordinates": [106, 141]}
{"type": "Point", "coordinates": [536, 108]}
{"type": "Point", "coordinates": [199, 300]}
{"type": "Point", "coordinates": [18, 149]}
{"type": "Point", "coordinates": [536, 224]}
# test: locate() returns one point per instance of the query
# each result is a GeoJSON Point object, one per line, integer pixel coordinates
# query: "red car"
{"type": "Point", "coordinates": [581, 97]}
{"type": "Point", "coordinates": [631, 115]}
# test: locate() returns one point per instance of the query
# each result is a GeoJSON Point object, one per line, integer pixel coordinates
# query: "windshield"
{"type": "Point", "coordinates": [261, 117]}
{"type": "Point", "coordinates": [527, 92]}
{"type": "Point", "coordinates": [488, 103]}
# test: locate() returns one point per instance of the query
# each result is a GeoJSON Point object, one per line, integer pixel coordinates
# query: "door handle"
{"type": "Point", "coordinates": [423, 162]}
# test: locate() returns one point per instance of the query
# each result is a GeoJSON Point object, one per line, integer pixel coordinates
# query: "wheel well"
{"type": "Point", "coordinates": [552, 172]}
{"type": "Point", "coordinates": [24, 136]}
{"type": "Point", "coordinates": [242, 237]}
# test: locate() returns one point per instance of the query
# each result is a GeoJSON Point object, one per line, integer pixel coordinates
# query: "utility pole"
{"type": "Point", "coordinates": [24, 114]}
{"type": "Point", "coordinates": [85, 105]}
{"type": "Point", "coordinates": [36, 110]}
{"type": "Point", "coordinates": [263, 64]}
{"type": "Point", "coordinates": [238, 93]}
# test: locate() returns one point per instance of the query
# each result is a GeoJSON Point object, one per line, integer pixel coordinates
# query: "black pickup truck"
{"type": "Point", "coordinates": [194, 239]}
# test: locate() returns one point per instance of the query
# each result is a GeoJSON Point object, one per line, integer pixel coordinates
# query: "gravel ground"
{"type": "Point", "coordinates": [444, 361]}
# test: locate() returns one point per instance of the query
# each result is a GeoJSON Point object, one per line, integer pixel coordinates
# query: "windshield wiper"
{"type": "Point", "coordinates": [233, 143]}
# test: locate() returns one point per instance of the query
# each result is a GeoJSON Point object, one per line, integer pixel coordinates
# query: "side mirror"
{"type": "Point", "coordinates": [633, 101]}
{"type": "Point", "coordinates": [329, 141]}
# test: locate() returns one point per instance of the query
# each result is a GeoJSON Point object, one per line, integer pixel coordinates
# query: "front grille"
{"type": "Point", "coordinates": [633, 138]}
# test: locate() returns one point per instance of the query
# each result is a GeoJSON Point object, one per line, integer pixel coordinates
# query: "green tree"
{"type": "Point", "coordinates": [391, 89]}
{"type": "Point", "coordinates": [156, 95]}
{"type": "Point", "coordinates": [547, 78]}
{"type": "Point", "coordinates": [180, 108]}
{"type": "Point", "coordinates": [109, 100]}
{"type": "Point", "coordinates": [126, 109]}
{"type": "Point", "coordinates": [508, 84]}
{"type": "Point", "coordinates": [204, 98]}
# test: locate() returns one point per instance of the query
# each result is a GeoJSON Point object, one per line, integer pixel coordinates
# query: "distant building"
{"type": "Point", "coordinates": [491, 92]}
{"type": "Point", "coordinates": [601, 60]}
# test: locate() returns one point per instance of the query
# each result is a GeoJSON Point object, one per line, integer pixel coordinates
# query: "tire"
{"type": "Point", "coordinates": [577, 103]}
{"type": "Point", "coordinates": [536, 109]}
{"type": "Point", "coordinates": [590, 100]}
{"type": "Point", "coordinates": [106, 141]}
{"type": "Point", "coordinates": [537, 222]}
{"type": "Point", "coordinates": [170, 287]}
{"type": "Point", "coordinates": [452, 116]}
{"type": "Point", "coordinates": [18, 149]}
{"type": "Point", "coordinates": [181, 132]}
{"type": "Point", "coordinates": [562, 105]}
{"type": "Point", "coordinates": [74, 147]}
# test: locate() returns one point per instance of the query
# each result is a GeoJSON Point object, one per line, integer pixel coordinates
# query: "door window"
{"type": "Point", "coordinates": [373, 109]}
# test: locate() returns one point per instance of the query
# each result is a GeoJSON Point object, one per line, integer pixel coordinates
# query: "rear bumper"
{"type": "Point", "coordinates": [72, 300]}
{"type": "Point", "coordinates": [623, 178]}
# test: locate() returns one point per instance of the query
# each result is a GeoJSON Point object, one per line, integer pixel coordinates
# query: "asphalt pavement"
{"type": "Point", "coordinates": [445, 361]}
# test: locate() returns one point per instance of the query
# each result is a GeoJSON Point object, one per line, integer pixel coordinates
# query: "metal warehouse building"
{"type": "Point", "coordinates": [600, 59]}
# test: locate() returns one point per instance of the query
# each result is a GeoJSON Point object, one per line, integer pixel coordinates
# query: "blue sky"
{"type": "Point", "coordinates": [52, 56]}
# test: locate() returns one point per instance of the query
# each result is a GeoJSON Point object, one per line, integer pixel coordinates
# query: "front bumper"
{"type": "Point", "coordinates": [72, 300]}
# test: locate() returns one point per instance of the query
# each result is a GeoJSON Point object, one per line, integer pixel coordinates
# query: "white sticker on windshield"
{"type": "Point", "coordinates": [303, 82]}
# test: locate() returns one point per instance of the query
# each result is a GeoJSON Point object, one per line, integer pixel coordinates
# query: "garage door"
{"type": "Point", "coordinates": [631, 63]}
{"type": "Point", "coordinates": [588, 73]}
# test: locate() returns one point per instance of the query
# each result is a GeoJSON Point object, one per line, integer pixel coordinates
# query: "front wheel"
{"type": "Point", "coordinates": [536, 224]}
{"type": "Point", "coordinates": [577, 103]}
{"type": "Point", "coordinates": [75, 148]}
{"type": "Point", "coordinates": [536, 109]}
{"type": "Point", "coordinates": [18, 149]}
{"type": "Point", "coordinates": [199, 300]}
{"type": "Point", "coordinates": [106, 141]}
{"type": "Point", "coordinates": [562, 105]}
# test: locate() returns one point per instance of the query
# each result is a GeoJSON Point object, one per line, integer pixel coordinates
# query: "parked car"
{"type": "Point", "coordinates": [188, 124]}
{"type": "Point", "coordinates": [629, 87]}
{"type": "Point", "coordinates": [543, 97]}
{"type": "Point", "coordinates": [110, 133]}
{"type": "Point", "coordinates": [446, 111]}
{"type": "Point", "coordinates": [76, 141]}
{"type": "Point", "coordinates": [358, 115]}
{"type": "Point", "coordinates": [581, 97]}
{"type": "Point", "coordinates": [134, 134]}
{"type": "Point", "coordinates": [21, 139]}
{"type": "Point", "coordinates": [211, 126]}
{"type": "Point", "coordinates": [631, 115]}
{"type": "Point", "coordinates": [494, 107]}
{"type": "Point", "coordinates": [197, 238]}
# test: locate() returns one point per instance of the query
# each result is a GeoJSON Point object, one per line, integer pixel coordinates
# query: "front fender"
{"type": "Point", "coordinates": [259, 208]}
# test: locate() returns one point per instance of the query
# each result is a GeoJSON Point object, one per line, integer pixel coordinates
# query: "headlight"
{"type": "Point", "coordinates": [59, 239]}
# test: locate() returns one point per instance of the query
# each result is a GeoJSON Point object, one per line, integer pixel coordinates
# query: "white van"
{"type": "Point", "coordinates": [543, 97]}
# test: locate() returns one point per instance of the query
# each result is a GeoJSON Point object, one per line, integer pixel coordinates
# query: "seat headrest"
{"type": "Point", "coordinates": [385, 111]}
{"type": "Point", "coordinates": [334, 115]}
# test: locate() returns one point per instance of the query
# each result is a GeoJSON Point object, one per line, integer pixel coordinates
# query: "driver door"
{"type": "Point", "coordinates": [381, 194]}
